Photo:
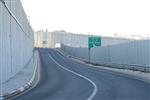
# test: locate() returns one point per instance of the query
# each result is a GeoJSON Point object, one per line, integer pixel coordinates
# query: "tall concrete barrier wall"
{"type": "Point", "coordinates": [16, 39]}
{"type": "Point", "coordinates": [54, 39]}
{"type": "Point", "coordinates": [80, 40]}
{"type": "Point", "coordinates": [136, 53]}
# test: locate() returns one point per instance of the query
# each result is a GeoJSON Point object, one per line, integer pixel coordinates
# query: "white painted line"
{"type": "Point", "coordinates": [1, 98]}
{"type": "Point", "coordinates": [147, 80]}
{"type": "Point", "coordinates": [36, 69]}
{"type": "Point", "coordinates": [94, 85]}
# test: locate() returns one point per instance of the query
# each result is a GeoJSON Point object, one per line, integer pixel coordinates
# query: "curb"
{"type": "Point", "coordinates": [24, 87]}
{"type": "Point", "coordinates": [111, 65]}
{"type": "Point", "coordinates": [96, 65]}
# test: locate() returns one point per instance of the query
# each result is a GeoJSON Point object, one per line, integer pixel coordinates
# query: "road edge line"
{"type": "Point", "coordinates": [85, 78]}
{"type": "Point", "coordinates": [98, 66]}
{"type": "Point", "coordinates": [26, 87]}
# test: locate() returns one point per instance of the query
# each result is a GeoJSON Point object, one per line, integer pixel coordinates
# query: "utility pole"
{"type": "Point", "coordinates": [89, 49]}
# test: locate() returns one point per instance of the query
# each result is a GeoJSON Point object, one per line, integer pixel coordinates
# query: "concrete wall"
{"type": "Point", "coordinates": [131, 53]}
{"type": "Point", "coordinates": [71, 39]}
{"type": "Point", "coordinates": [16, 39]}
{"type": "Point", "coordinates": [80, 40]}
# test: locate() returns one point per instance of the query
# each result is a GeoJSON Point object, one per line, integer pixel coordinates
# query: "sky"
{"type": "Point", "coordinates": [104, 17]}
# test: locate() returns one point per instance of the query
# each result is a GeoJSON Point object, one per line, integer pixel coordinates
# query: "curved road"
{"type": "Point", "coordinates": [65, 79]}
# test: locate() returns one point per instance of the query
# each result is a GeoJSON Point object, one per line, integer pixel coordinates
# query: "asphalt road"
{"type": "Point", "coordinates": [65, 79]}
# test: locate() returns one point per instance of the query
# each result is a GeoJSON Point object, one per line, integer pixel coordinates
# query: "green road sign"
{"type": "Point", "coordinates": [94, 41]}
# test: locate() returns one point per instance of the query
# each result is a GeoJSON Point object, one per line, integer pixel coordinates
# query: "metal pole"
{"type": "Point", "coordinates": [89, 55]}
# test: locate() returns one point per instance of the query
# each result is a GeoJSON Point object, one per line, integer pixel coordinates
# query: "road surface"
{"type": "Point", "coordinates": [65, 79]}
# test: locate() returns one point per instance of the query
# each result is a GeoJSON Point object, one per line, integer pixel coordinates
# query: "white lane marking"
{"type": "Point", "coordinates": [94, 85]}
{"type": "Point", "coordinates": [37, 69]}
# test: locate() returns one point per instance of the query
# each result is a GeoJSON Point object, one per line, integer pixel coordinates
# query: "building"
{"type": "Point", "coordinates": [53, 39]}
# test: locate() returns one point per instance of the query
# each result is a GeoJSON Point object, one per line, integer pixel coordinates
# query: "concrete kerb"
{"type": "Point", "coordinates": [141, 68]}
{"type": "Point", "coordinates": [29, 84]}
{"type": "Point", "coordinates": [109, 67]}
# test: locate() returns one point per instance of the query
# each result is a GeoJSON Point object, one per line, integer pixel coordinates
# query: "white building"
{"type": "Point", "coordinates": [52, 39]}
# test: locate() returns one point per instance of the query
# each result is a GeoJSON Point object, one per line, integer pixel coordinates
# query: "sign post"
{"type": "Point", "coordinates": [93, 42]}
